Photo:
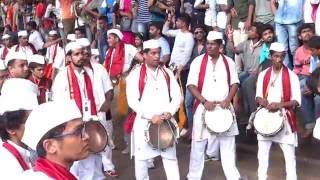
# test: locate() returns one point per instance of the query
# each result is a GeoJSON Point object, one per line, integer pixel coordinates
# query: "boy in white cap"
{"type": "Point", "coordinates": [7, 44]}
{"type": "Point", "coordinates": [103, 94]}
{"type": "Point", "coordinates": [60, 139]}
{"type": "Point", "coordinates": [24, 46]}
{"type": "Point", "coordinates": [278, 88]}
{"type": "Point", "coordinates": [212, 80]}
{"type": "Point", "coordinates": [37, 65]}
{"type": "Point", "coordinates": [158, 102]}
{"type": "Point", "coordinates": [19, 96]}
{"type": "Point", "coordinates": [55, 55]}
{"type": "Point", "coordinates": [118, 61]}
{"type": "Point", "coordinates": [17, 64]}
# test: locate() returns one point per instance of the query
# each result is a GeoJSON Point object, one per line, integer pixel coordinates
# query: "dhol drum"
{"type": "Point", "coordinates": [268, 123]}
{"type": "Point", "coordinates": [162, 136]}
{"type": "Point", "coordinates": [219, 120]}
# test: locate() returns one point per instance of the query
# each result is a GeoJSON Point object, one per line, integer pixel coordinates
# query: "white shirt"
{"type": "Point", "coordinates": [154, 101]}
{"type": "Point", "coordinates": [222, 15]}
{"type": "Point", "coordinates": [210, 18]}
{"type": "Point", "coordinates": [215, 88]}
{"type": "Point", "coordinates": [33, 175]}
{"type": "Point", "coordinates": [99, 78]}
{"type": "Point", "coordinates": [25, 49]}
{"type": "Point", "coordinates": [59, 59]}
{"type": "Point", "coordinates": [165, 47]}
{"type": "Point", "coordinates": [9, 165]}
{"type": "Point", "coordinates": [35, 38]}
{"type": "Point", "coordinates": [275, 94]}
{"type": "Point", "coordinates": [183, 45]}
{"type": "Point", "coordinates": [129, 53]}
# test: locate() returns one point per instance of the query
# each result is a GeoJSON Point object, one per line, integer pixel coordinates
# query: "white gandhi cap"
{"type": "Point", "coordinates": [36, 58]}
{"type": "Point", "coordinates": [46, 117]}
{"type": "Point", "coordinates": [116, 32]}
{"type": "Point", "coordinates": [151, 44]}
{"type": "Point", "coordinates": [84, 42]}
{"type": "Point", "coordinates": [22, 33]}
{"type": "Point", "coordinates": [72, 46]}
{"type": "Point", "coordinates": [18, 94]}
{"type": "Point", "coordinates": [278, 47]}
{"type": "Point", "coordinates": [13, 55]}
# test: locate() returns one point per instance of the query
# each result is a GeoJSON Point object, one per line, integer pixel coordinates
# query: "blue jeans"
{"type": "Point", "coordinates": [310, 106]}
{"type": "Point", "coordinates": [287, 35]}
{"type": "Point", "coordinates": [188, 101]}
{"type": "Point", "coordinates": [248, 91]}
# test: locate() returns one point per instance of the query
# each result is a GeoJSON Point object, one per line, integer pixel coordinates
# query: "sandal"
{"type": "Point", "coordinates": [111, 173]}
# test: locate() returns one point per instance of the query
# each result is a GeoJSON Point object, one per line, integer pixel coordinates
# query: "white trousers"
{"type": "Point", "coordinates": [263, 158]}
{"type": "Point", "coordinates": [106, 154]}
{"type": "Point", "coordinates": [213, 147]}
{"type": "Point", "coordinates": [170, 166]}
{"type": "Point", "coordinates": [228, 159]}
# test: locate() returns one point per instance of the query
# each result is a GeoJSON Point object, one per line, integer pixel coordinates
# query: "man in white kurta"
{"type": "Point", "coordinates": [155, 102]}
{"type": "Point", "coordinates": [215, 89]}
{"type": "Point", "coordinates": [286, 138]}
{"type": "Point", "coordinates": [55, 54]}
{"type": "Point", "coordinates": [24, 46]}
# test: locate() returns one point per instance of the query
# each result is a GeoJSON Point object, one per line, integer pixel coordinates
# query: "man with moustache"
{"type": "Point", "coordinates": [212, 80]}
{"type": "Point", "coordinates": [17, 65]}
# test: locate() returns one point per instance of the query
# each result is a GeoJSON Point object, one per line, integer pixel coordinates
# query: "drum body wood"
{"type": "Point", "coordinates": [161, 136]}
{"type": "Point", "coordinates": [268, 123]}
{"type": "Point", "coordinates": [219, 120]}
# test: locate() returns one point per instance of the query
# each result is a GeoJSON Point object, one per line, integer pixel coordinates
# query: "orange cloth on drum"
{"type": "Point", "coordinates": [122, 104]}
{"type": "Point", "coordinates": [182, 112]}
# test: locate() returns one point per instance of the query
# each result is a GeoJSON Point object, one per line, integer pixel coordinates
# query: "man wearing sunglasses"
{"type": "Point", "coordinates": [56, 131]}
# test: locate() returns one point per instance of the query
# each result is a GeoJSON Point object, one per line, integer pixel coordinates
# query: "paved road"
{"type": "Point", "coordinates": [308, 161]}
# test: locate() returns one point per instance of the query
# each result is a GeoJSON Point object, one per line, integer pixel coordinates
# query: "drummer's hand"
{"type": "Point", "coordinates": [156, 119]}
{"type": "Point", "coordinates": [274, 106]}
{"type": "Point", "coordinates": [166, 116]}
{"type": "Point", "coordinates": [263, 102]}
{"type": "Point", "coordinates": [225, 103]}
{"type": "Point", "coordinates": [209, 105]}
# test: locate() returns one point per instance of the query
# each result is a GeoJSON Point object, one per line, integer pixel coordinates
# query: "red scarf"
{"type": "Point", "coordinates": [128, 125]}
{"type": "Point", "coordinates": [16, 154]}
{"type": "Point", "coordinates": [53, 170]}
{"type": "Point", "coordinates": [75, 90]}
{"type": "Point", "coordinates": [48, 70]}
{"type": "Point", "coordinates": [202, 74]}
{"type": "Point", "coordinates": [286, 88]}
{"type": "Point", "coordinates": [314, 12]}
{"type": "Point", "coordinates": [115, 65]}
{"type": "Point", "coordinates": [43, 84]}
{"type": "Point", "coordinates": [33, 49]}
{"type": "Point", "coordinates": [4, 53]}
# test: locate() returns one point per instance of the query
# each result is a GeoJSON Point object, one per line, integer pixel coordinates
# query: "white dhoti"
{"type": "Point", "coordinates": [106, 154]}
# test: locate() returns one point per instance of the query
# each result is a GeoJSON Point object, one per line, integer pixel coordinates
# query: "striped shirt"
{"type": "Point", "coordinates": [144, 15]}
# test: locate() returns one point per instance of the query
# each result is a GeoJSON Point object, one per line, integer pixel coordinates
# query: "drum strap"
{"type": "Point", "coordinates": [286, 88]}
{"type": "Point", "coordinates": [202, 74]}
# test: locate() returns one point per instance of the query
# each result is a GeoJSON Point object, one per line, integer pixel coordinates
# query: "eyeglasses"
{"type": "Point", "coordinates": [80, 131]}
{"type": "Point", "coordinates": [197, 32]}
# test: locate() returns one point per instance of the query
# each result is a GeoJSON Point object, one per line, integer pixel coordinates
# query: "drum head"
{"type": "Point", "coordinates": [268, 123]}
{"type": "Point", "coordinates": [161, 135]}
{"type": "Point", "coordinates": [219, 120]}
{"type": "Point", "coordinates": [98, 137]}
